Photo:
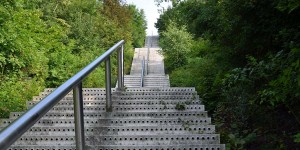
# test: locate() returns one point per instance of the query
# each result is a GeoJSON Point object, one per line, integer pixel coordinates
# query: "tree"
{"type": "Point", "coordinates": [139, 26]}
{"type": "Point", "coordinates": [43, 43]}
{"type": "Point", "coordinates": [175, 44]}
{"type": "Point", "coordinates": [245, 65]}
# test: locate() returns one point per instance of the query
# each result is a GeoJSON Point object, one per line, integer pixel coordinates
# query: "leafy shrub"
{"type": "Point", "coordinates": [43, 43]}
{"type": "Point", "coordinates": [180, 106]}
{"type": "Point", "coordinates": [249, 92]}
{"type": "Point", "coordinates": [175, 43]}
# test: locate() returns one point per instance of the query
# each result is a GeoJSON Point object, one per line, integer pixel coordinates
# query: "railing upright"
{"type": "Point", "coordinates": [108, 84]}
{"type": "Point", "coordinates": [78, 116]}
{"type": "Point", "coordinates": [121, 68]}
{"type": "Point", "coordinates": [147, 55]}
{"type": "Point", "coordinates": [147, 61]}
{"type": "Point", "coordinates": [142, 73]}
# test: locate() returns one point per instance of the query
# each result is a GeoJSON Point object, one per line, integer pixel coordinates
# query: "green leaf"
{"type": "Point", "coordinates": [297, 138]}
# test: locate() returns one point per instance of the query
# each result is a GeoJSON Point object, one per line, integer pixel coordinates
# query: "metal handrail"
{"type": "Point", "coordinates": [142, 73]}
{"type": "Point", "coordinates": [16, 129]}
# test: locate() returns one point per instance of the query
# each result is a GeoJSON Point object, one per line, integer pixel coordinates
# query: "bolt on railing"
{"type": "Point", "coordinates": [16, 129]}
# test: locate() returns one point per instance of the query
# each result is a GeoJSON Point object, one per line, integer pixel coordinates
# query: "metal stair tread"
{"type": "Point", "coordinates": [132, 106]}
{"type": "Point", "coordinates": [127, 103]}
{"type": "Point", "coordinates": [119, 121]}
{"type": "Point", "coordinates": [49, 90]}
{"type": "Point", "coordinates": [127, 147]}
{"type": "Point", "coordinates": [123, 130]}
{"type": "Point", "coordinates": [137, 113]}
{"type": "Point", "coordinates": [125, 140]}
{"type": "Point", "coordinates": [132, 97]}
{"type": "Point", "coordinates": [42, 94]}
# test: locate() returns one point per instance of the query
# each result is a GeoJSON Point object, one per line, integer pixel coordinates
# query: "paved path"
{"type": "Point", "coordinates": [152, 41]}
{"type": "Point", "coordinates": [154, 68]}
{"type": "Point", "coordinates": [155, 62]}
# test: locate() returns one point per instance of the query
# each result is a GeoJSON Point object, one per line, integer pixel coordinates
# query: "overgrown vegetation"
{"type": "Point", "coordinates": [43, 43]}
{"type": "Point", "coordinates": [180, 106]}
{"type": "Point", "coordinates": [244, 60]}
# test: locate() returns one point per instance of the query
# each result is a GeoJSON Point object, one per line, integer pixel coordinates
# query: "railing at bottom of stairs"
{"type": "Point", "coordinates": [16, 129]}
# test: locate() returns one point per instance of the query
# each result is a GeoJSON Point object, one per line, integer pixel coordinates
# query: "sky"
{"type": "Point", "coordinates": [151, 13]}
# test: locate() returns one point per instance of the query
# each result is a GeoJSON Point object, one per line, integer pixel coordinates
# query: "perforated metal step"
{"type": "Point", "coordinates": [63, 115]}
{"type": "Point", "coordinates": [69, 122]}
{"type": "Point", "coordinates": [127, 91]}
{"type": "Point", "coordinates": [92, 103]}
{"type": "Point", "coordinates": [122, 139]}
{"type": "Point", "coordinates": [91, 129]}
{"type": "Point", "coordinates": [126, 147]}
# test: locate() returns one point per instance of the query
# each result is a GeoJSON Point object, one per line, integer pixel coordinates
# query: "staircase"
{"type": "Point", "coordinates": [153, 117]}
{"type": "Point", "coordinates": [155, 71]}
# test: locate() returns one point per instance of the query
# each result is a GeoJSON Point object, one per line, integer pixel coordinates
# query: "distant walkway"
{"type": "Point", "coordinates": [154, 68]}
{"type": "Point", "coordinates": [152, 41]}
{"type": "Point", "coordinates": [155, 61]}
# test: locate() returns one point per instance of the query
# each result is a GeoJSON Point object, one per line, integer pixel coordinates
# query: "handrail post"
{"type": "Point", "coordinates": [142, 72]}
{"type": "Point", "coordinates": [108, 84]}
{"type": "Point", "coordinates": [147, 61]}
{"type": "Point", "coordinates": [147, 57]}
{"type": "Point", "coordinates": [121, 68]}
{"type": "Point", "coordinates": [122, 50]}
{"type": "Point", "coordinates": [78, 116]}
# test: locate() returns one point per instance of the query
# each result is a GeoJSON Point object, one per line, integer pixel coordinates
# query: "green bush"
{"type": "Point", "coordinates": [244, 63]}
{"type": "Point", "coordinates": [43, 43]}
{"type": "Point", "coordinates": [175, 44]}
